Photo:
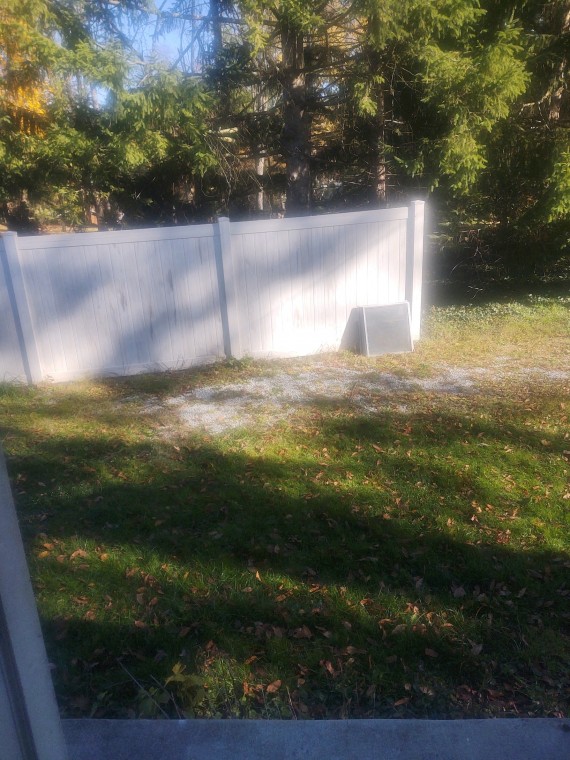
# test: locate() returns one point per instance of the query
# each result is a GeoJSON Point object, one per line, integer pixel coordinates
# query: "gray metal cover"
{"type": "Point", "coordinates": [386, 329]}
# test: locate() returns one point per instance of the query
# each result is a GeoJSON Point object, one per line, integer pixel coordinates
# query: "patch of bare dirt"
{"type": "Point", "coordinates": [263, 401]}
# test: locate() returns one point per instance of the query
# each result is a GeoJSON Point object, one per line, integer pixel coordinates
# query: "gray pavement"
{"type": "Point", "coordinates": [509, 739]}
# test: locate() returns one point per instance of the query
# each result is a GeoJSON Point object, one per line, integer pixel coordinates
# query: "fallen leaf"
{"type": "Point", "coordinates": [328, 666]}
{"type": "Point", "coordinates": [353, 650]}
{"type": "Point", "coordinates": [403, 701]}
{"type": "Point", "coordinates": [431, 653]}
{"type": "Point", "coordinates": [302, 633]}
{"type": "Point", "coordinates": [273, 687]}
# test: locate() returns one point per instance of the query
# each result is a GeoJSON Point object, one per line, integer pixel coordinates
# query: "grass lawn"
{"type": "Point", "coordinates": [398, 549]}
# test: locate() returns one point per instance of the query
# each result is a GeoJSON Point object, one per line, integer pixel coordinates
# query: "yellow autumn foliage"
{"type": "Point", "coordinates": [24, 92]}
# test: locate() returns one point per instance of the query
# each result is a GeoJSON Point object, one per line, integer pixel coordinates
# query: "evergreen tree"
{"type": "Point", "coordinates": [331, 103]}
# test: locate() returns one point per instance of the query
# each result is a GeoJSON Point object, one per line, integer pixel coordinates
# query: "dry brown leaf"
{"type": "Point", "coordinates": [302, 633]}
{"type": "Point", "coordinates": [353, 650]}
{"type": "Point", "coordinates": [328, 666]}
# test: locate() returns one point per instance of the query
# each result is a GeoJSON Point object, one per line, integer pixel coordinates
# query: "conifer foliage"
{"type": "Point", "coordinates": [175, 112]}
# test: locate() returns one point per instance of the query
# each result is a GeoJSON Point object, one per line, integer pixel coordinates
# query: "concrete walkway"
{"type": "Point", "coordinates": [515, 739]}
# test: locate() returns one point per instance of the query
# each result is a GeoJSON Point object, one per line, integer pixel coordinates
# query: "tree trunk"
{"type": "Point", "coordinates": [379, 124]}
{"type": "Point", "coordinates": [379, 171]}
{"type": "Point", "coordinates": [296, 134]}
{"type": "Point", "coordinates": [259, 173]}
{"type": "Point", "coordinates": [217, 39]}
{"type": "Point", "coordinates": [560, 96]}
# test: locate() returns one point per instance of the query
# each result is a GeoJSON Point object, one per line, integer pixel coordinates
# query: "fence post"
{"type": "Point", "coordinates": [414, 264]}
{"type": "Point", "coordinates": [20, 308]}
{"type": "Point", "coordinates": [29, 721]}
{"type": "Point", "coordinates": [229, 302]}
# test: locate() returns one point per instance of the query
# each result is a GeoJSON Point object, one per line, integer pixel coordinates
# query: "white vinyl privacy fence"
{"type": "Point", "coordinates": [109, 303]}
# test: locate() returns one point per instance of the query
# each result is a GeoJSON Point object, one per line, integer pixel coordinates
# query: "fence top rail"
{"type": "Point", "coordinates": [321, 220]}
{"type": "Point", "coordinates": [77, 239]}
{"type": "Point", "coordinates": [149, 234]}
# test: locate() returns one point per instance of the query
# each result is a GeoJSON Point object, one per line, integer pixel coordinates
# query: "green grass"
{"type": "Point", "coordinates": [411, 562]}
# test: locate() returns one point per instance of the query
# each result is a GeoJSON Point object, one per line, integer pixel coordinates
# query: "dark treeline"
{"type": "Point", "coordinates": [128, 113]}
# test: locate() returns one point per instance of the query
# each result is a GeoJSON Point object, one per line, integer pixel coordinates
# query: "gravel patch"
{"type": "Point", "coordinates": [264, 401]}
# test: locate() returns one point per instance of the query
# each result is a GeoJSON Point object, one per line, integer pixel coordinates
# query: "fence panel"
{"type": "Point", "coordinates": [125, 302]}
{"type": "Point", "coordinates": [300, 278]}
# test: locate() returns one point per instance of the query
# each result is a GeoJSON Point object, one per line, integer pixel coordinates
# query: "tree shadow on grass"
{"type": "Point", "coordinates": [359, 575]}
